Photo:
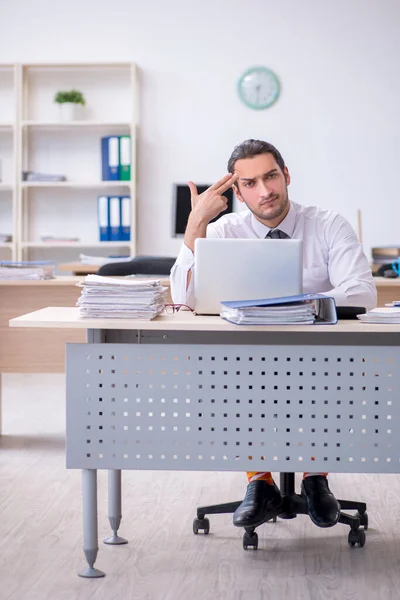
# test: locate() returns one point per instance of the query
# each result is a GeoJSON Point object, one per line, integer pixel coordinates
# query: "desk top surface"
{"type": "Point", "coordinates": [68, 317]}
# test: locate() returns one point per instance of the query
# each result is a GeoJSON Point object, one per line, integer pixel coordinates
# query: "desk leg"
{"type": "Point", "coordinates": [90, 531]}
{"type": "Point", "coordinates": [114, 506]}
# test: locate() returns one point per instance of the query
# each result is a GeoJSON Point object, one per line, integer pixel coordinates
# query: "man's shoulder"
{"type": "Point", "coordinates": [231, 222]}
{"type": "Point", "coordinates": [317, 213]}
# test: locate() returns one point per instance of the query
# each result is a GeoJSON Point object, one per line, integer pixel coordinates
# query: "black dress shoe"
{"type": "Point", "coordinates": [260, 498]}
{"type": "Point", "coordinates": [323, 508]}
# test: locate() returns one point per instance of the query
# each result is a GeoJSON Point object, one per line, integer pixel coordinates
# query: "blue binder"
{"type": "Point", "coordinates": [103, 218]}
{"type": "Point", "coordinates": [110, 158]}
{"type": "Point", "coordinates": [125, 218]}
{"type": "Point", "coordinates": [326, 306]}
{"type": "Point", "coordinates": [114, 218]}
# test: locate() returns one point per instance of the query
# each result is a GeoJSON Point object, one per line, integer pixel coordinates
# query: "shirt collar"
{"type": "Point", "coordinates": [287, 225]}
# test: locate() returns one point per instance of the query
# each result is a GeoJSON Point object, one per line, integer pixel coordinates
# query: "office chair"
{"type": "Point", "coordinates": [140, 265]}
{"type": "Point", "coordinates": [293, 504]}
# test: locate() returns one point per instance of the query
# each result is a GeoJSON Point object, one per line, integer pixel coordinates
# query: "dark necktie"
{"type": "Point", "coordinates": [277, 234]}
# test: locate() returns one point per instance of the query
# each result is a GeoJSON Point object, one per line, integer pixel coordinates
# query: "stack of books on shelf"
{"type": "Point", "coordinates": [27, 270]}
{"type": "Point", "coordinates": [114, 218]}
{"type": "Point", "coordinates": [35, 176]}
{"type": "Point", "coordinates": [102, 260]}
{"type": "Point", "coordinates": [306, 309]}
{"type": "Point", "coordinates": [384, 255]}
{"type": "Point", "coordinates": [125, 298]}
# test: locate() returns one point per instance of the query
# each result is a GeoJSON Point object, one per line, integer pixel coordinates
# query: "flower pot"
{"type": "Point", "coordinates": [70, 111]}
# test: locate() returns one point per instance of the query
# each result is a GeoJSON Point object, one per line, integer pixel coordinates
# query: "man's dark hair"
{"type": "Point", "coordinates": [250, 148]}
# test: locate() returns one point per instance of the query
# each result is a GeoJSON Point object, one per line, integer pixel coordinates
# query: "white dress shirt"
{"type": "Point", "coordinates": [333, 260]}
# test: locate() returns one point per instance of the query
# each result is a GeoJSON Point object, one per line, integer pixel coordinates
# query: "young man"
{"type": "Point", "coordinates": [333, 260]}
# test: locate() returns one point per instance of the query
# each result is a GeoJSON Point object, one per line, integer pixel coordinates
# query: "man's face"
{"type": "Point", "coordinates": [262, 186]}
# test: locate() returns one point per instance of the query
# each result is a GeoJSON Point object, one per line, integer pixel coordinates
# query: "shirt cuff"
{"type": "Point", "coordinates": [185, 258]}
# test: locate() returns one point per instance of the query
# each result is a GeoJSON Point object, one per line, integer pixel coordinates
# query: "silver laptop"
{"type": "Point", "coordinates": [236, 269]}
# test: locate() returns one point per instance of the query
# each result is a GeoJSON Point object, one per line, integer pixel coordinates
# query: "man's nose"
{"type": "Point", "coordinates": [266, 188]}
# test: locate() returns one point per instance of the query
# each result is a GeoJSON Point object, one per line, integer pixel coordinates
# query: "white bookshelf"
{"type": "Point", "coordinates": [76, 184]}
{"type": "Point", "coordinates": [48, 145]}
{"type": "Point", "coordinates": [8, 158]}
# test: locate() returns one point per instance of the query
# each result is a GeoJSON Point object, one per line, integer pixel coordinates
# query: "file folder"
{"type": "Point", "coordinates": [125, 219]}
{"type": "Point", "coordinates": [285, 307]}
{"type": "Point", "coordinates": [110, 158]}
{"type": "Point", "coordinates": [103, 218]}
{"type": "Point", "coordinates": [125, 157]}
{"type": "Point", "coordinates": [115, 219]}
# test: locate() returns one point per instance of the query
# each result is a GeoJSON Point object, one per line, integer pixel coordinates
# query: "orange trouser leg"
{"type": "Point", "coordinates": [265, 476]}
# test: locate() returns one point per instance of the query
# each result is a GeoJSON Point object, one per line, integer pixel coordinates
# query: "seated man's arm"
{"type": "Point", "coordinates": [349, 271]}
{"type": "Point", "coordinates": [205, 207]}
{"type": "Point", "coordinates": [181, 279]}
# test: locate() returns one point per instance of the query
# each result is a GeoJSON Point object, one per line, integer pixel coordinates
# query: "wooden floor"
{"type": "Point", "coordinates": [40, 527]}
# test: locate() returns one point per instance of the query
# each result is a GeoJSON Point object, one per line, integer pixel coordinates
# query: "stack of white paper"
{"type": "Point", "coordinates": [27, 270]}
{"type": "Point", "coordinates": [303, 313]}
{"type": "Point", "coordinates": [106, 297]}
{"type": "Point", "coordinates": [381, 315]}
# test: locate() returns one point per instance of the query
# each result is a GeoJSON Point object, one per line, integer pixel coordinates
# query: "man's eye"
{"type": "Point", "coordinates": [248, 184]}
{"type": "Point", "coordinates": [272, 176]}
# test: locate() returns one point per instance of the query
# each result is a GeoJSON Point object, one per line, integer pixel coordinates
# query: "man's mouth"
{"type": "Point", "coordinates": [269, 201]}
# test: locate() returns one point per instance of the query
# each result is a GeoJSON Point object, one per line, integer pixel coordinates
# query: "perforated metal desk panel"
{"type": "Point", "coordinates": [234, 401]}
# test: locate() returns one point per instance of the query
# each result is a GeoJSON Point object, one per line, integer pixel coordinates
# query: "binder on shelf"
{"type": "Point", "coordinates": [304, 309]}
{"type": "Point", "coordinates": [125, 218]}
{"type": "Point", "coordinates": [114, 212]}
{"type": "Point", "coordinates": [125, 157]}
{"type": "Point", "coordinates": [103, 218]}
{"type": "Point", "coordinates": [110, 158]}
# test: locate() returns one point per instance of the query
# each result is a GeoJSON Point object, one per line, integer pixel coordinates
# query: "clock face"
{"type": "Point", "coordinates": [258, 88]}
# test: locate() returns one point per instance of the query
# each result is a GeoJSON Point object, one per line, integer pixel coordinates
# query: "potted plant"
{"type": "Point", "coordinates": [70, 104]}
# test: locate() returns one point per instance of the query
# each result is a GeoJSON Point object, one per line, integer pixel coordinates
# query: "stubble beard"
{"type": "Point", "coordinates": [272, 213]}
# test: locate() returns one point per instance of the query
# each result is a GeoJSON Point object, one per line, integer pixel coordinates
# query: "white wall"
{"type": "Point", "coordinates": [336, 122]}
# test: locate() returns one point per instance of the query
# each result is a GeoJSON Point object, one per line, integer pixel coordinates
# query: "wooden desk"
{"type": "Point", "coordinates": [30, 351]}
{"type": "Point", "coordinates": [77, 268]}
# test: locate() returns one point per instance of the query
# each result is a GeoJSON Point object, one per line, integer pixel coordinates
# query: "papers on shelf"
{"type": "Point", "coordinates": [27, 270]}
{"type": "Point", "coordinates": [102, 260]}
{"type": "Point", "coordinates": [305, 309]}
{"type": "Point", "coordinates": [106, 297]}
{"type": "Point", "coordinates": [381, 315]}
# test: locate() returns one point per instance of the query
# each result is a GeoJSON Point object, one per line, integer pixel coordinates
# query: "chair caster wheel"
{"type": "Point", "coordinates": [201, 525]}
{"type": "Point", "coordinates": [250, 541]}
{"type": "Point", "coordinates": [356, 536]}
{"type": "Point", "coordinates": [363, 520]}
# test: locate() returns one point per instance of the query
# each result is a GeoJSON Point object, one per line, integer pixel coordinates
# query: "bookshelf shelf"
{"type": "Point", "coordinates": [76, 184]}
{"type": "Point", "coordinates": [72, 124]}
{"type": "Point", "coordinates": [6, 245]}
{"type": "Point", "coordinates": [6, 187]}
{"type": "Point", "coordinates": [50, 245]}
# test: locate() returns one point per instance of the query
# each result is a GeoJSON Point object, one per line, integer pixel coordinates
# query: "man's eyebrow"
{"type": "Point", "coordinates": [264, 175]}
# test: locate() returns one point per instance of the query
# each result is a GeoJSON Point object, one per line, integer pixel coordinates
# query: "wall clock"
{"type": "Point", "coordinates": [258, 88]}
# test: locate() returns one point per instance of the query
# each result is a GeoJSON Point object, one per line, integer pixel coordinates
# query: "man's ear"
{"type": "Point", "coordinates": [237, 193]}
{"type": "Point", "coordinates": [287, 175]}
